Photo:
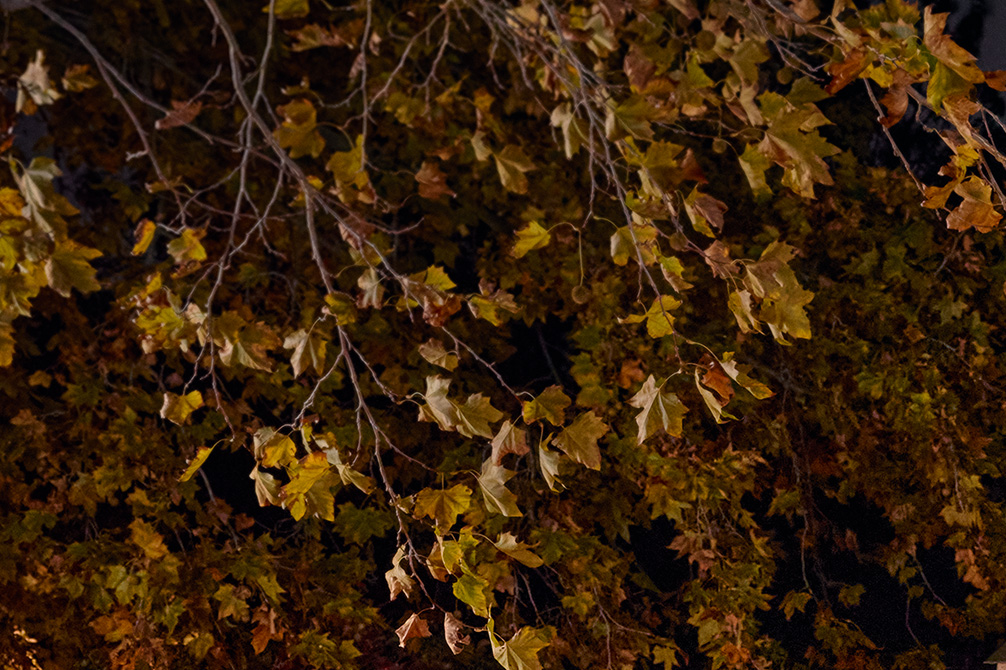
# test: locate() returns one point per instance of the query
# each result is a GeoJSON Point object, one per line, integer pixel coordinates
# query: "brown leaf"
{"type": "Point", "coordinates": [413, 627]}
{"type": "Point", "coordinates": [718, 258]}
{"type": "Point", "coordinates": [896, 100]}
{"type": "Point", "coordinates": [638, 68]}
{"type": "Point", "coordinates": [452, 633]}
{"type": "Point", "coordinates": [181, 114]}
{"type": "Point", "coordinates": [432, 182]}
{"type": "Point", "coordinates": [846, 71]}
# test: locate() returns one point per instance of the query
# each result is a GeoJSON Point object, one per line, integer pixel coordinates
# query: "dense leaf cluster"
{"type": "Point", "coordinates": [477, 333]}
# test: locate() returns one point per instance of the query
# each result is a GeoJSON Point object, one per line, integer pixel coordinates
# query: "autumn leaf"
{"type": "Point", "coordinates": [518, 551]}
{"type": "Point", "coordinates": [308, 351]}
{"type": "Point", "coordinates": [143, 235]}
{"type": "Point", "coordinates": [512, 163]}
{"type": "Point", "coordinates": [299, 132]}
{"type": "Point", "coordinates": [68, 268]}
{"type": "Point", "coordinates": [433, 182]}
{"type": "Point", "coordinates": [273, 448]}
{"type": "Point", "coordinates": [509, 440]}
{"type": "Point", "coordinates": [433, 351]}
{"type": "Point", "coordinates": [579, 440]}
{"type": "Point", "coordinates": [288, 9]}
{"type": "Point", "coordinates": [471, 590]}
{"type": "Point", "coordinates": [178, 408]}
{"type": "Point", "coordinates": [443, 505]}
{"type": "Point", "coordinates": [181, 114]}
{"type": "Point", "coordinates": [520, 652]}
{"type": "Point", "coordinates": [548, 462]}
{"type": "Point", "coordinates": [496, 495]}
{"type": "Point", "coordinates": [414, 627]}
{"type": "Point", "coordinates": [471, 419]}
{"type": "Point", "coordinates": [144, 536]}
{"type": "Point", "coordinates": [712, 403]}
{"type": "Point", "coordinates": [660, 411]}
{"type": "Point", "coordinates": [530, 237]}
{"type": "Point", "coordinates": [452, 633]}
{"type": "Point", "coordinates": [550, 405]}
{"type": "Point", "coordinates": [658, 318]}
{"type": "Point", "coordinates": [197, 462]}
{"type": "Point", "coordinates": [78, 78]}
{"type": "Point", "coordinates": [188, 247]}
{"type": "Point", "coordinates": [35, 86]}
{"type": "Point", "coordinates": [976, 209]}
{"type": "Point", "coordinates": [399, 581]}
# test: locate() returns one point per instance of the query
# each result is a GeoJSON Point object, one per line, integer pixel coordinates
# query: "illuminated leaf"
{"type": "Point", "coordinates": [178, 408]}
{"type": "Point", "coordinates": [144, 235]}
{"type": "Point", "coordinates": [518, 551]}
{"type": "Point", "coordinates": [308, 351]}
{"type": "Point", "coordinates": [579, 440]}
{"type": "Point", "coordinates": [433, 351]}
{"type": "Point", "coordinates": [497, 496]}
{"type": "Point", "coordinates": [68, 268]}
{"type": "Point", "coordinates": [399, 581]}
{"type": "Point", "coordinates": [521, 651]}
{"type": "Point", "coordinates": [456, 640]}
{"type": "Point", "coordinates": [443, 505]}
{"type": "Point", "coordinates": [550, 405]}
{"type": "Point", "coordinates": [414, 627]}
{"type": "Point", "coordinates": [509, 440]}
{"type": "Point", "coordinates": [660, 411]}
{"type": "Point", "coordinates": [197, 462]}
{"type": "Point", "coordinates": [512, 163]}
{"type": "Point", "coordinates": [530, 237]}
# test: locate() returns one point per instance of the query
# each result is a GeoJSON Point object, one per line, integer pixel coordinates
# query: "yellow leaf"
{"type": "Point", "coordinates": [178, 408]}
{"type": "Point", "coordinates": [201, 455]}
{"type": "Point", "coordinates": [144, 236]}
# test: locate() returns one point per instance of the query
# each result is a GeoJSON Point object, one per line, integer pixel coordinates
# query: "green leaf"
{"type": "Point", "coordinates": [357, 525]}
{"type": "Point", "coordinates": [497, 496]}
{"type": "Point", "coordinates": [178, 408]}
{"type": "Point", "coordinates": [201, 455]}
{"type": "Point", "coordinates": [530, 237]}
{"type": "Point", "coordinates": [443, 505]}
{"type": "Point", "coordinates": [660, 411]}
{"type": "Point", "coordinates": [579, 440]}
{"type": "Point", "coordinates": [471, 590]}
{"type": "Point", "coordinates": [550, 405]}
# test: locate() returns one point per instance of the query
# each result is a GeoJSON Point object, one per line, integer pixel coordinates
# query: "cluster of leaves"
{"type": "Point", "coordinates": [565, 332]}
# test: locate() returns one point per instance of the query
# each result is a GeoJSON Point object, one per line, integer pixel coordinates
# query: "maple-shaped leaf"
{"type": "Point", "coordinates": [313, 36]}
{"type": "Point", "coordinates": [511, 164]}
{"type": "Point", "coordinates": [197, 462]}
{"type": "Point", "coordinates": [178, 408]}
{"type": "Point", "coordinates": [244, 343]}
{"type": "Point", "coordinates": [497, 496]}
{"type": "Point", "coordinates": [521, 651]}
{"type": "Point", "coordinates": [471, 590]}
{"type": "Point", "coordinates": [631, 117]}
{"type": "Point", "coordinates": [433, 182]}
{"type": "Point", "coordinates": [273, 448]}
{"type": "Point", "coordinates": [188, 247]}
{"type": "Point", "coordinates": [754, 163]}
{"type": "Point", "coordinates": [43, 206]}
{"type": "Point", "coordinates": [530, 237]}
{"type": "Point", "coordinates": [77, 78]}
{"type": "Point", "coordinates": [518, 551]}
{"type": "Point", "coordinates": [357, 525]}
{"type": "Point", "coordinates": [550, 405]}
{"type": "Point", "coordinates": [371, 290]}
{"type": "Point", "coordinates": [579, 440]}
{"type": "Point", "coordinates": [491, 306]}
{"type": "Point", "coordinates": [347, 474]}
{"type": "Point", "coordinates": [308, 351]}
{"type": "Point", "coordinates": [471, 419]}
{"type": "Point", "coordinates": [443, 505]}
{"type": "Point", "coordinates": [144, 536]}
{"type": "Point", "coordinates": [659, 321]}
{"type": "Point", "coordinates": [68, 268]}
{"type": "Point", "coordinates": [415, 626]}
{"type": "Point", "coordinates": [509, 440]}
{"type": "Point", "coordinates": [783, 307]}
{"type": "Point", "coordinates": [299, 130]}
{"type": "Point", "coordinates": [660, 411]}
{"type": "Point", "coordinates": [948, 52]}
{"type": "Point", "coordinates": [399, 581]}
{"type": "Point", "coordinates": [635, 241]}
{"type": "Point", "coordinates": [976, 209]}
{"type": "Point", "coordinates": [35, 86]}
{"type": "Point", "coordinates": [456, 640]}
{"type": "Point", "coordinates": [312, 470]}
{"type": "Point", "coordinates": [433, 351]}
